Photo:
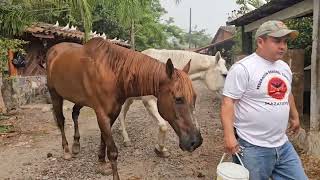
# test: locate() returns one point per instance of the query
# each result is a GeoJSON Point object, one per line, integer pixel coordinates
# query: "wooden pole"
{"type": "Point", "coordinates": [315, 67]}
{"type": "Point", "coordinates": [314, 135]}
{"type": "Point", "coordinates": [190, 29]}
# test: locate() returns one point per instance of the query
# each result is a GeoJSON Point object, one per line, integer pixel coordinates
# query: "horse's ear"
{"type": "Point", "coordinates": [186, 68]}
{"type": "Point", "coordinates": [169, 68]}
{"type": "Point", "coordinates": [218, 56]}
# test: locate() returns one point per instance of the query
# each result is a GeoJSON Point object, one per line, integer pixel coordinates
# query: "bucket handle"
{"type": "Point", "coordinates": [224, 154]}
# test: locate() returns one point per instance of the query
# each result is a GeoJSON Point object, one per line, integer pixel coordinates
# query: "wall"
{"type": "Point", "coordinates": [18, 91]}
{"type": "Point", "coordinates": [295, 59]}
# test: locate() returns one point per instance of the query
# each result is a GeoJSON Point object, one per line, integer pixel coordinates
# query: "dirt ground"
{"type": "Point", "coordinates": [33, 150]}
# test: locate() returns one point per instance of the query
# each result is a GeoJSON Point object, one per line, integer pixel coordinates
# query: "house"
{"type": "Point", "coordinates": [222, 41]}
{"type": "Point", "coordinates": [41, 37]}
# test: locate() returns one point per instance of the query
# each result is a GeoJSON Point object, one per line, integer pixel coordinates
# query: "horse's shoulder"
{"type": "Point", "coordinates": [60, 48]}
{"type": "Point", "coordinates": [94, 46]}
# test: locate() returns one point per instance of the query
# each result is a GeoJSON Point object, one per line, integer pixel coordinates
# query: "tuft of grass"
{"type": "Point", "coordinates": [4, 117]}
{"type": "Point", "coordinates": [6, 128]}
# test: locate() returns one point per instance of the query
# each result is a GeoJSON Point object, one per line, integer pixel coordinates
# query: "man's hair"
{"type": "Point", "coordinates": [264, 37]}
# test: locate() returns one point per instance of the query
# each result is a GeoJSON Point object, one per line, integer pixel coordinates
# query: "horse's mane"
{"type": "Point", "coordinates": [138, 72]}
{"type": "Point", "coordinates": [185, 86]}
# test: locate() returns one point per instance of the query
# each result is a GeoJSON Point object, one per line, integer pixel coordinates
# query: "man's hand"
{"type": "Point", "coordinates": [293, 117]}
{"type": "Point", "coordinates": [294, 127]}
{"type": "Point", "coordinates": [231, 144]}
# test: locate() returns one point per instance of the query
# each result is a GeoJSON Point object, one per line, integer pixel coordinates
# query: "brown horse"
{"type": "Point", "coordinates": [101, 75]}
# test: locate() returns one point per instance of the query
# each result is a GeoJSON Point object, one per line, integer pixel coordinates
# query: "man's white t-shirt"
{"type": "Point", "coordinates": [262, 90]}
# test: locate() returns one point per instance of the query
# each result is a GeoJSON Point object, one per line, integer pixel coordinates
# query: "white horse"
{"type": "Point", "coordinates": [210, 69]}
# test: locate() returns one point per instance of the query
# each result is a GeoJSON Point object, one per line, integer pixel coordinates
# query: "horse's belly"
{"type": "Point", "coordinates": [69, 85]}
{"type": "Point", "coordinates": [71, 91]}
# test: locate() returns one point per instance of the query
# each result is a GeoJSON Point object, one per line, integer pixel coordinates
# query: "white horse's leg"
{"type": "Point", "coordinates": [151, 106]}
{"type": "Point", "coordinates": [122, 116]}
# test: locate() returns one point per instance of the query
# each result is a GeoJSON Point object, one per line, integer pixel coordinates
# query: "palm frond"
{"type": "Point", "coordinates": [13, 20]}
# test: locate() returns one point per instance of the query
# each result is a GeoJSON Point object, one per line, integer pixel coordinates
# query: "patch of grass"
{"type": "Point", "coordinates": [4, 117]}
{"type": "Point", "coordinates": [6, 128]}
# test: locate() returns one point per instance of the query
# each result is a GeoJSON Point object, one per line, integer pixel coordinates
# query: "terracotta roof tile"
{"type": "Point", "coordinates": [43, 29]}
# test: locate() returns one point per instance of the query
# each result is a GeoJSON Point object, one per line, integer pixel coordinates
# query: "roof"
{"type": "Point", "coordinates": [50, 31]}
{"type": "Point", "coordinates": [230, 29]}
{"type": "Point", "coordinates": [214, 44]}
{"type": "Point", "coordinates": [269, 8]}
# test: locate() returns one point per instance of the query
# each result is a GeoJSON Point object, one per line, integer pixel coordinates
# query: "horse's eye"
{"type": "Point", "coordinates": [179, 100]}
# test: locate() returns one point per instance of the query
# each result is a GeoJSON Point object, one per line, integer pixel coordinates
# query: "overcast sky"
{"type": "Point", "coordinates": [206, 14]}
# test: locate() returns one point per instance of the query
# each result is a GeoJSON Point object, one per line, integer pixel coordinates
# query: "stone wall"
{"type": "Point", "coordinates": [19, 91]}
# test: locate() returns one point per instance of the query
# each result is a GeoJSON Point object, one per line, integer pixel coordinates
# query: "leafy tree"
{"type": "Point", "coordinates": [177, 37]}
{"type": "Point", "coordinates": [198, 38]}
{"type": "Point", "coordinates": [140, 19]}
{"type": "Point", "coordinates": [304, 41]}
{"type": "Point", "coordinates": [303, 25]}
{"type": "Point", "coordinates": [106, 21]}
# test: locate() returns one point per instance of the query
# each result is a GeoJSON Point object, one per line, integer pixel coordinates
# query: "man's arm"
{"type": "Point", "coordinates": [293, 116]}
{"type": "Point", "coordinates": [227, 120]}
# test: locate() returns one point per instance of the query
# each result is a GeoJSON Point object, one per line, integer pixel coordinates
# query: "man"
{"type": "Point", "coordinates": [257, 106]}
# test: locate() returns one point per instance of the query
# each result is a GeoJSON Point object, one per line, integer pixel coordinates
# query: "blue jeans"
{"type": "Point", "coordinates": [281, 163]}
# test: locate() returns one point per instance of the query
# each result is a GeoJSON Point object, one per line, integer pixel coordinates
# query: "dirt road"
{"type": "Point", "coordinates": [34, 151]}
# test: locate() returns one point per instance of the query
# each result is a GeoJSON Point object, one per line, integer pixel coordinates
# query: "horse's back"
{"type": "Point", "coordinates": [68, 71]}
{"type": "Point", "coordinates": [180, 58]}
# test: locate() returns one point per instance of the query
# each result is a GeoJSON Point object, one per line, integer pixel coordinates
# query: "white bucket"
{"type": "Point", "coordinates": [231, 171]}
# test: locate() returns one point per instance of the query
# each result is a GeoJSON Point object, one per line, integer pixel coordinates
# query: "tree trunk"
{"type": "Point", "coordinates": [12, 69]}
{"type": "Point", "coordinates": [132, 35]}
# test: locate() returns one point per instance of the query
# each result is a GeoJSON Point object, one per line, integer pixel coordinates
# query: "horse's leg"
{"type": "Point", "coordinates": [57, 103]}
{"type": "Point", "coordinates": [122, 118]}
{"type": "Point", "coordinates": [151, 106]}
{"type": "Point", "coordinates": [76, 144]}
{"type": "Point", "coordinates": [103, 167]}
{"type": "Point", "coordinates": [105, 124]}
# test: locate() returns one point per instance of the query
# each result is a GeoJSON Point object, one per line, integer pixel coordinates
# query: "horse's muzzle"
{"type": "Point", "coordinates": [191, 142]}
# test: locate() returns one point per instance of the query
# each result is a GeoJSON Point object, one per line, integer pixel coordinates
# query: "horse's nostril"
{"type": "Point", "coordinates": [192, 144]}
{"type": "Point", "coordinates": [224, 75]}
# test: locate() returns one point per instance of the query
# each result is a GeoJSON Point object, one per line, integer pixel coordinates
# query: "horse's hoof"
{"type": "Point", "coordinates": [67, 156]}
{"type": "Point", "coordinates": [162, 154]}
{"type": "Point", "coordinates": [127, 143]}
{"type": "Point", "coordinates": [75, 148]}
{"type": "Point", "coordinates": [104, 169]}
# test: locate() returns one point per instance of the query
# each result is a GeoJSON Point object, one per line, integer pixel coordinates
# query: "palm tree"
{"type": "Point", "coordinates": [13, 20]}
{"type": "Point", "coordinates": [14, 17]}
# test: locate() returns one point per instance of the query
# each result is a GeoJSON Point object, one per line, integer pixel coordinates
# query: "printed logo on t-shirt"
{"type": "Point", "coordinates": [277, 88]}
